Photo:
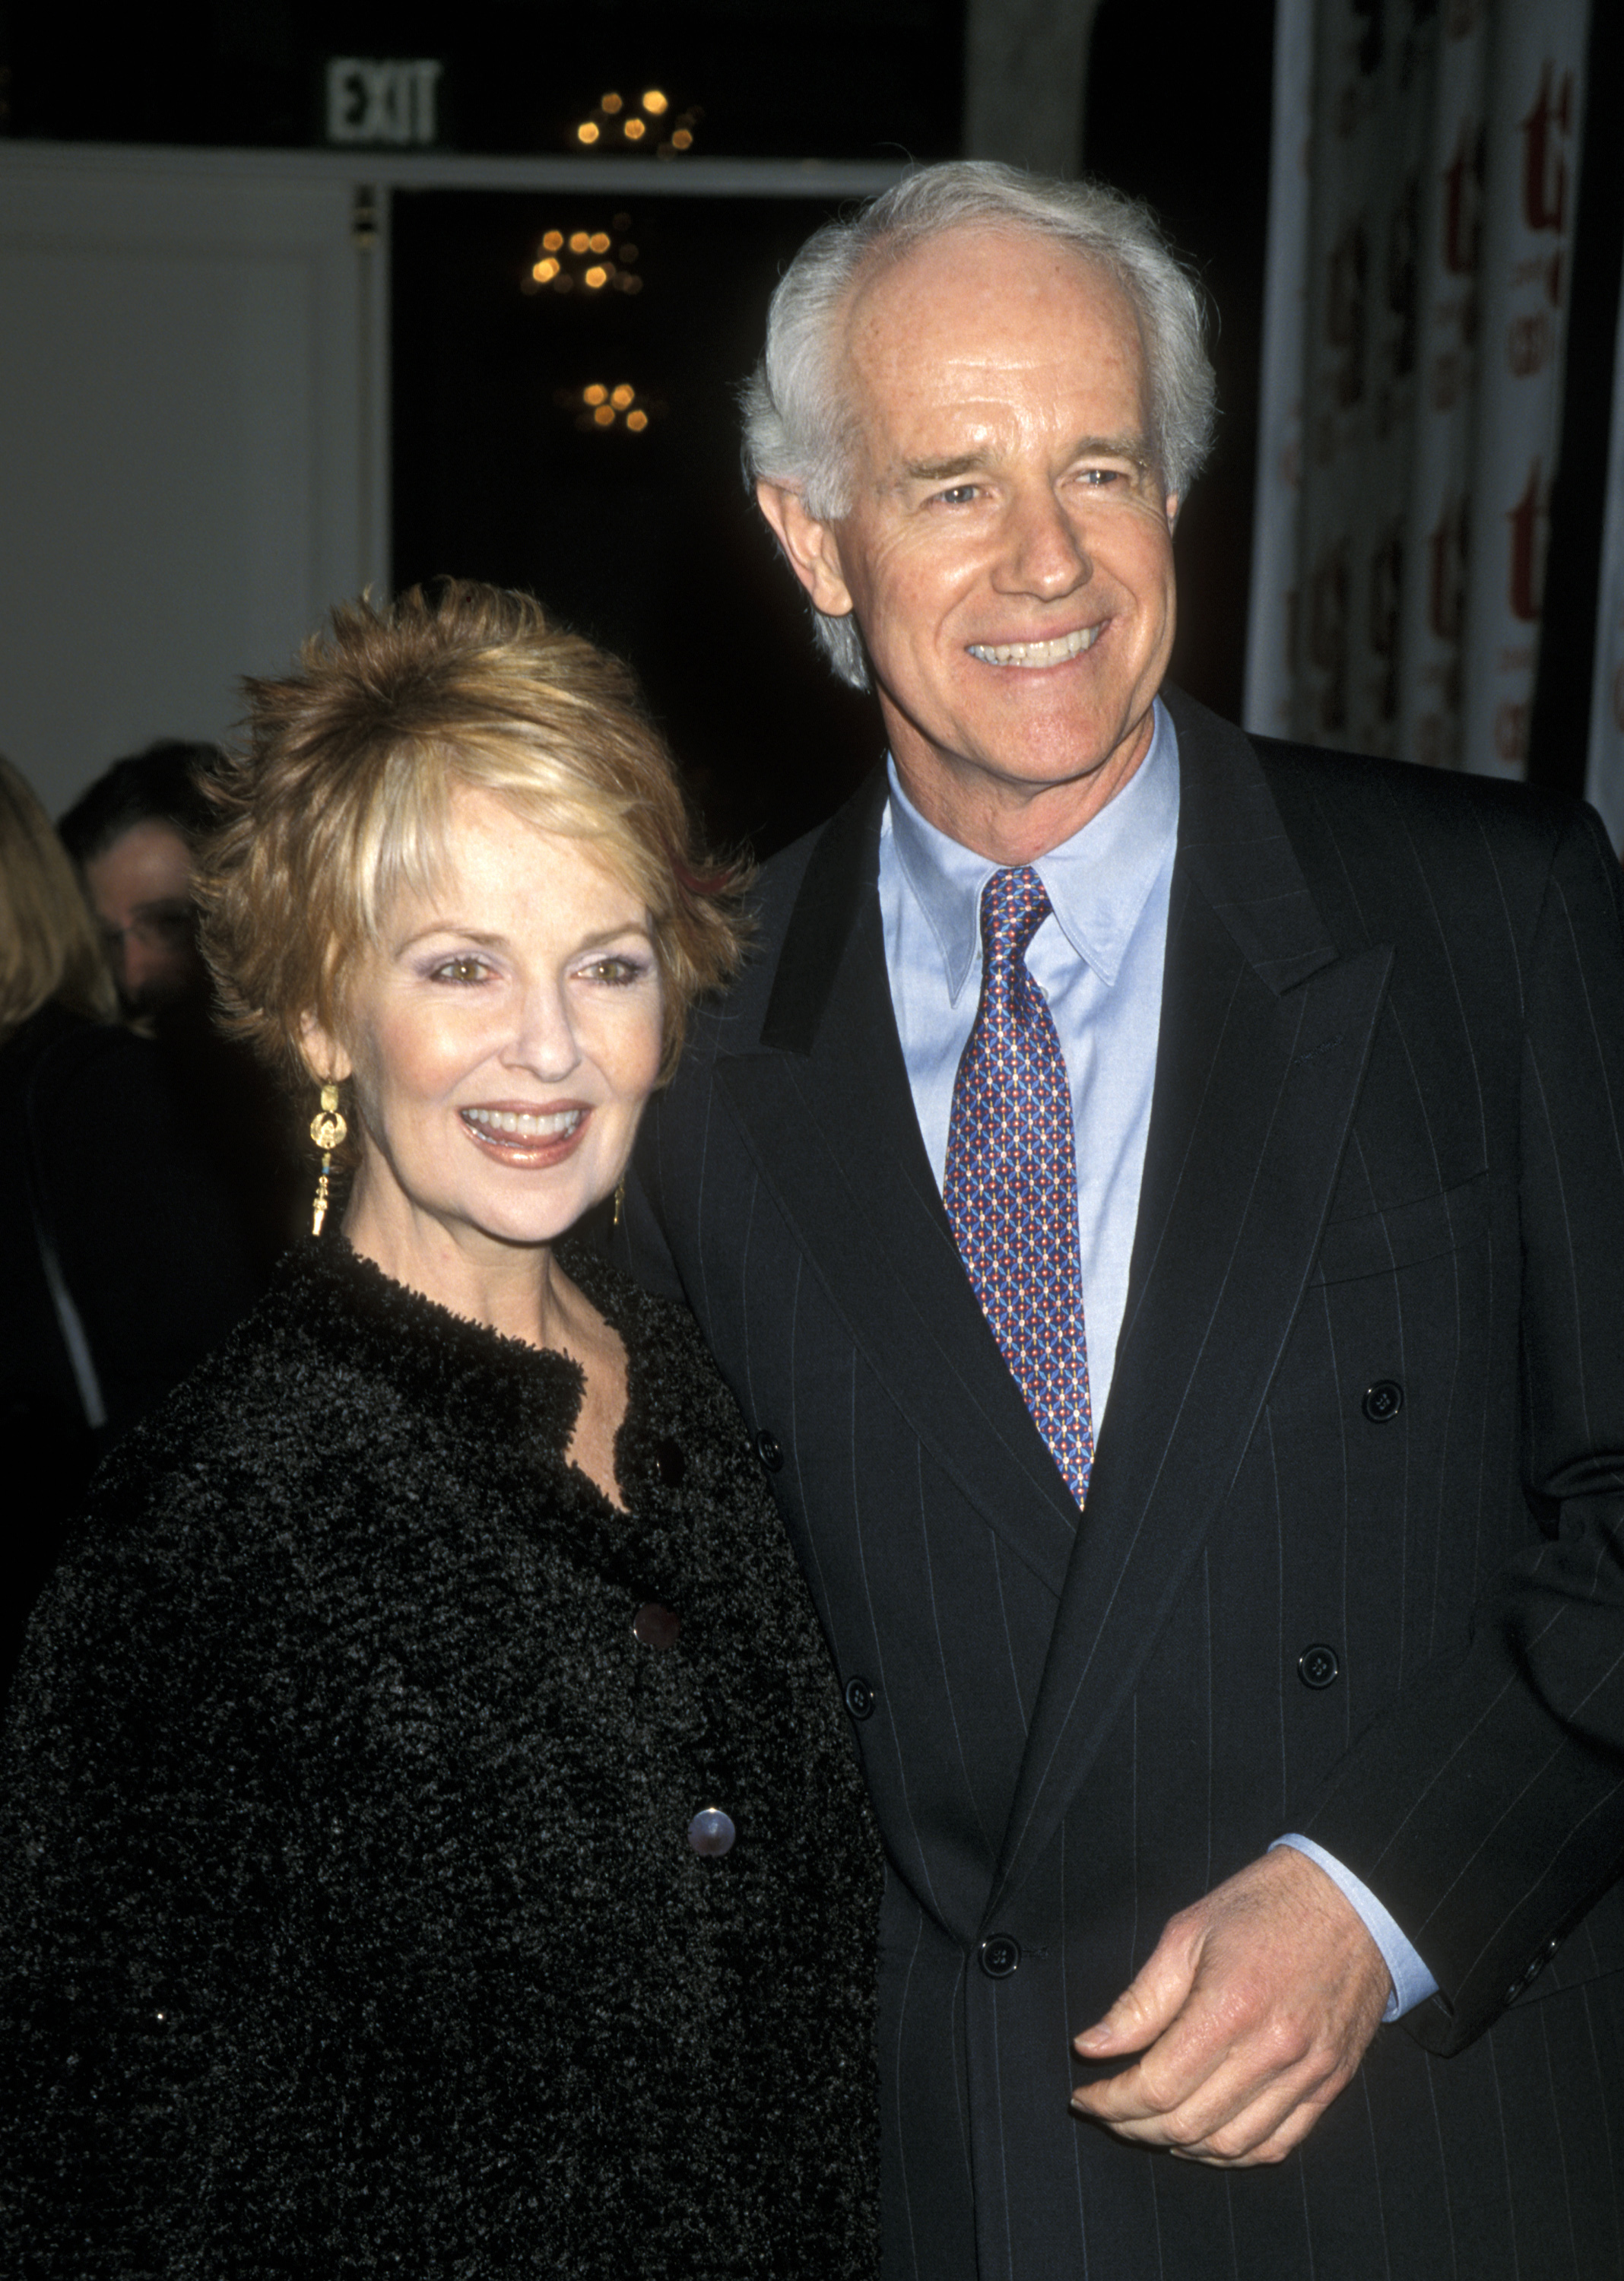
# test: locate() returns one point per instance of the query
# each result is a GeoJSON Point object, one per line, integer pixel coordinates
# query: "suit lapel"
{"type": "Point", "coordinates": [1265, 1035]}
{"type": "Point", "coordinates": [828, 1114]}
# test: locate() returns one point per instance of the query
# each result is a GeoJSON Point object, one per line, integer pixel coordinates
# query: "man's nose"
{"type": "Point", "coordinates": [1047, 553]}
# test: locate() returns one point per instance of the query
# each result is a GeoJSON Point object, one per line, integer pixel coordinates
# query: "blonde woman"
{"type": "Point", "coordinates": [434, 1836]}
{"type": "Point", "coordinates": [120, 1260]}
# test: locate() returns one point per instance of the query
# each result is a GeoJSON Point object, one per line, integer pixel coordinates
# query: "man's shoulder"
{"type": "Point", "coordinates": [820, 876]}
{"type": "Point", "coordinates": [1347, 791]}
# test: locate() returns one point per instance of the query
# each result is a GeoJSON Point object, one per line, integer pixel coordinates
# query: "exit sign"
{"type": "Point", "coordinates": [382, 101]}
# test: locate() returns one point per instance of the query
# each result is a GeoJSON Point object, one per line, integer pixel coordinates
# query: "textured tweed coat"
{"type": "Point", "coordinates": [349, 1923]}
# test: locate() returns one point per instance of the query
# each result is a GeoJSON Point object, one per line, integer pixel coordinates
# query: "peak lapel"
{"type": "Point", "coordinates": [1264, 1034]}
{"type": "Point", "coordinates": [827, 1112]}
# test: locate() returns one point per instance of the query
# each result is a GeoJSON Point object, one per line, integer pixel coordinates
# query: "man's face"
{"type": "Point", "coordinates": [141, 892]}
{"type": "Point", "coordinates": [1008, 549]}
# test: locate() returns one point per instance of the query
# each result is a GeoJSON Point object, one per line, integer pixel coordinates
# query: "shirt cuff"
{"type": "Point", "coordinates": [1412, 1982]}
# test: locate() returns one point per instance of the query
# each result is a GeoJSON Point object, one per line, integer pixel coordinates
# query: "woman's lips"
{"type": "Point", "coordinates": [527, 1136]}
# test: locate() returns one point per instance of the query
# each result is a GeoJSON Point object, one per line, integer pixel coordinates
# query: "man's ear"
{"type": "Point", "coordinates": [810, 548]}
{"type": "Point", "coordinates": [1171, 506]}
{"type": "Point", "coordinates": [327, 1062]}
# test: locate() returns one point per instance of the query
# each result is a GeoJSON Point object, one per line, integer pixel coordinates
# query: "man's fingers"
{"type": "Point", "coordinates": [1230, 2116]}
{"type": "Point", "coordinates": [1148, 2004]}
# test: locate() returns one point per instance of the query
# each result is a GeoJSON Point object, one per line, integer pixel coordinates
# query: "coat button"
{"type": "Point", "coordinates": [858, 1697]}
{"type": "Point", "coordinates": [656, 1625]}
{"type": "Point", "coordinates": [1383, 1401]}
{"type": "Point", "coordinates": [1317, 1665]}
{"type": "Point", "coordinates": [768, 1450]}
{"type": "Point", "coordinates": [1001, 1952]}
{"type": "Point", "coordinates": [711, 1831]}
{"type": "Point", "coordinates": [669, 1463]}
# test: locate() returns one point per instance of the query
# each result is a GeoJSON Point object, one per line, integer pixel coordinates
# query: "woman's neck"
{"type": "Point", "coordinates": [509, 1288]}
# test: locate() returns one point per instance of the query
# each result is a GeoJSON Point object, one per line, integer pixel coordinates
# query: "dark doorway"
{"type": "Point", "coordinates": [629, 518]}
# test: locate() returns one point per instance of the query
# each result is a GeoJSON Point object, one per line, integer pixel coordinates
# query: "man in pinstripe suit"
{"type": "Point", "coordinates": [1310, 1713]}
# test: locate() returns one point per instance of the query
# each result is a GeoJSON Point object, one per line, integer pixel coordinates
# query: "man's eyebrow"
{"type": "Point", "coordinates": [941, 471]}
{"type": "Point", "coordinates": [1136, 448]}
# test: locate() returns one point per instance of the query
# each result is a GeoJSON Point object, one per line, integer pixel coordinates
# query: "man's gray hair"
{"type": "Point", "coordinates": [798, 428]}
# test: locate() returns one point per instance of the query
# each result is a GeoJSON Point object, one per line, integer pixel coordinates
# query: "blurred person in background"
{"type": "Point", "coordinates": [121, 1259]}
{"type": "Point", "coordinates": [134, 835]}
{"type": "Point", "coordinates": [432, 1702]}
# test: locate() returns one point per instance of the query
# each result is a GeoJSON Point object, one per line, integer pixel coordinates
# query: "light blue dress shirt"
{"type": "Point", "coordinates": [1098, 958]}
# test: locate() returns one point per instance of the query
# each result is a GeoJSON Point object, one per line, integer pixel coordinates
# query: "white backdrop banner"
{"type": "Point", "coordinates": [1604, 777]}
{"type": "Point", "coordinates": [1400, 557]}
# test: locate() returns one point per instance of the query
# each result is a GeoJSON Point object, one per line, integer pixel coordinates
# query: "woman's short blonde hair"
{"type": "Point", "coordinates": [49, 946]}
{"type": "Point", "coordinates": [337, 800]}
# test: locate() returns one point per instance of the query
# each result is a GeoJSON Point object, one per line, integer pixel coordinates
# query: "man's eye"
{"type": "Point", "coordinates": [956, 495]}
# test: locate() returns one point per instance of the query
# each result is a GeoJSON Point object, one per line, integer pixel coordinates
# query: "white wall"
{"type": "Point", "coordinates": [191, 439]}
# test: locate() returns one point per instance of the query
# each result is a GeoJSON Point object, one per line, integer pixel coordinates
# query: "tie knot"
{"type": "Point", "coordinates": [1014, 905]}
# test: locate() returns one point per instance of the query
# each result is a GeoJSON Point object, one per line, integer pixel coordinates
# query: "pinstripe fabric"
{"type": "Point", "coordinates": [1384, 1146]}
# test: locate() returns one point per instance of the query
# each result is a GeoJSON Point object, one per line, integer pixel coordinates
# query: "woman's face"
{"type": "Point", "coordinates": [503, 1040]}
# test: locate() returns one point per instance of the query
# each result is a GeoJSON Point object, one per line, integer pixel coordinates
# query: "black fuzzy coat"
{"type": "Point", "coordinates": [350, 1922]}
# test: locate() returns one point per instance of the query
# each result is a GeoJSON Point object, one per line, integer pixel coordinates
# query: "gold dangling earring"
{"type": "Point", "coordinates": [326, 1130]}
{"type": "Point", "coordinates": [620, 1201]}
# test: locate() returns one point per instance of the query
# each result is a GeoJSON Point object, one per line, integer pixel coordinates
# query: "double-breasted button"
{"type": "Point", "coordinates": [860, 1696]}
{"type": "Point", "coordinates": [768, 1450]}
{"type": "Point", "coordinates": [1383, 1401]}
{"type": "Point", "coordinates": [999, 1954]}
{"type": "Point", "coordinates": [1317, 1665]}
{"type": "Point", "coordinates": [669, 1463]}
{"type": "Point", "coordinates": [656, 1625]}
{"type": "Point", "coordinates": [711, 1831]}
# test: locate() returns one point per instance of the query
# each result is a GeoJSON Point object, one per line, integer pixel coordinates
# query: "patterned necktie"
{"type": "Point", "coordinates": [1011, 1179]}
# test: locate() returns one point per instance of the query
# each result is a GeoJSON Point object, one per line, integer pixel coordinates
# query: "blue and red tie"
{"type": "Point", "coordinates": [1011, 1188]}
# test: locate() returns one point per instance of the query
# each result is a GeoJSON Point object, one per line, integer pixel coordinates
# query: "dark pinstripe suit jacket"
{"type": "Point", "coordinates": [1385, 1146]}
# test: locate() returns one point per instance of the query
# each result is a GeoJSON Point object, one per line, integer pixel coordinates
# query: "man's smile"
{"type": "Point", "coordinates": [1059, 651]}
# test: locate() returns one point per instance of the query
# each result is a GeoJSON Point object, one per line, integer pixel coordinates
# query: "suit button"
{"type": "Point", "coordinates": [1001, 1952]}
{"type": "Point", "coordinates": [1317, 1665]}
{"type": "Point", "coordinates": [669, 1463]}
{"type": "Point", "coordinates": [656, 1625]}
{"type": "Point", "coordinates": [768, 1450]}
{"type": "Point", "coordinates": [711, 1831]}
{"type": "Point", "coordinates": [858, 1697]}
{"type": "Point", "coordinates": [1383, 1401]}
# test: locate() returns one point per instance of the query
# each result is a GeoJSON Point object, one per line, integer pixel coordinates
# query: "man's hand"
{"type": "Point", "coordinates": [1251, 2014]}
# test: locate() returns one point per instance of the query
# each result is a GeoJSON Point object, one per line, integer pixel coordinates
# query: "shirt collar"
{"type": "Point", "coordinates": [1097, 882]}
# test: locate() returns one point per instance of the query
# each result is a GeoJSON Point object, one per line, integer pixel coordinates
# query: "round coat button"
{"type": "Point", "coordinates": [711, 1831]}
{"type": "Point", "coordinates": [858, 1697]}
{"type": "Point", "coordinates": [768, 1450]}
{"type": "Point", "coordinates": [669, 1464]}
{"type": "Point", "coordinates": [656, 1625]}
{"type": "Point", "coordinates": [1317, 1665]}
{"type": "Point", "coordinates": [1001, 1952]}
{"type": "Point", "coordinates": [1383, 1401]}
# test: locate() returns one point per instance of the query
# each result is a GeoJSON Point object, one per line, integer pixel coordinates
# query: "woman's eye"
{"type": "Point", "coordinates": [618, 971]}
{"type": "Point", "coordinates": [459, 969]}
